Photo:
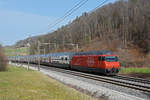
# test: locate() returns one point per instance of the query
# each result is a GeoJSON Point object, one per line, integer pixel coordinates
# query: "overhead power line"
{"type": "Point", "coordinates": [76, 7]}
{"type": "Point", "coordinates": [72, 10]}
{"type": "Point", "coordinates": [68, 13]}
{"type": "Point", "coordinates": [101, 4]}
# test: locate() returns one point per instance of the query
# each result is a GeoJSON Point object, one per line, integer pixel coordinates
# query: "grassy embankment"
{"type": "Point", "coordinates": [136, 72]}
{"type": "Point", "coordinates": [16, 51]}
{"type": "Point", "coordinates": [129, 70]}
{"type": "Point", "coordinates": [21, 84]}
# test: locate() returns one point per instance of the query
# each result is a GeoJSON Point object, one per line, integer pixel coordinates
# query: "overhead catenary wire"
{"type": "Point", "coordinates": [68, 13]}
{"type": "Point", "coordinates": [101, 4]}
{"type": "Point", "coordinates": [77, 6]}
{"type": "Point", "coordinates": [72, 10]}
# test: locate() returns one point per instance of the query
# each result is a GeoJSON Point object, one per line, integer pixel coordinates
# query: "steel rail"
{"type": "Point", "coordinates": [106, 79]}
{"type": "Point", "coordinates": [140, 80]}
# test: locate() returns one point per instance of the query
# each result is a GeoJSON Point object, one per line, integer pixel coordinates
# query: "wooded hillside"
{"type": "Point", "coordinates": [123, 27]}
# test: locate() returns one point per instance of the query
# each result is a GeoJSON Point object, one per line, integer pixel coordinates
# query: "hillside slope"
{"type": "Point", "coordinates": [122, 27]}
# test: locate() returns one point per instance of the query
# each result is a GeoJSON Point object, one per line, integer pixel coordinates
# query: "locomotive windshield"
{"type": "Point", "coordinates": [109, 58]}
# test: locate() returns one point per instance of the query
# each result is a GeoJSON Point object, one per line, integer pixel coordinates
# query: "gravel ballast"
{"type": "Point", "coordinates": [93, 88]}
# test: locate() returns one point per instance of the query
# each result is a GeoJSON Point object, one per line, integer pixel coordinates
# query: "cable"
{"type": "Point", "coordinates": [69, 10]}
{"type": "Point", "coordinates": [68, 13]}
{"type": "Point", "coordinates": [101, 4]}
{"type": "Point", "coordinates": [79, 4]}
{"type": "Point", "coordinates": [73, 9]}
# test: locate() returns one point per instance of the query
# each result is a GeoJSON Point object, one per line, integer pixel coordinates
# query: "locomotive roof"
{"type": "Point", "coordinates": [104, 52]}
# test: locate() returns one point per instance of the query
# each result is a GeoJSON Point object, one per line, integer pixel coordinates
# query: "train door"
{"type": "Point", "coordinates": [101, 61]}
{"type": "Point", "coordinates": [66, 60]}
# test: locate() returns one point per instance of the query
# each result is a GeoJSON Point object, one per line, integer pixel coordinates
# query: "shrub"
{"type": "Point", "coordinates": [3, 60]}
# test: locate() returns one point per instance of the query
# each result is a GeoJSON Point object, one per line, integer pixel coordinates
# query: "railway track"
{"type": "Point", "coordinates": [140, 80]}
{"type": "Point", "coordinates": [128, 82]}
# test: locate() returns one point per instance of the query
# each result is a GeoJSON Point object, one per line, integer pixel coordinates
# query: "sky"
{"type": "Point", "coordinates": [20, 19]}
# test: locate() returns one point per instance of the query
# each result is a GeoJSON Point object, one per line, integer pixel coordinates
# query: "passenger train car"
{"type": "Point", "coordinates": [101, 62]}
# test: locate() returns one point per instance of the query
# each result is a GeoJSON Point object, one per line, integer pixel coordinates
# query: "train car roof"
{"type": "Point", "coordinates": [70, 54]}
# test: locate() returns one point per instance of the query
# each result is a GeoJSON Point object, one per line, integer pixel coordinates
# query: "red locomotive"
{"type": "Point", "coordinates": [100, 62]}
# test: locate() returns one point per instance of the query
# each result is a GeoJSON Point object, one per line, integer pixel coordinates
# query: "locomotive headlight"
{"type": "Point", "coordinates": [106, 64]}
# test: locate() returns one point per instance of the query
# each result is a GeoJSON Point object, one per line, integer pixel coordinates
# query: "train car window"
{"type": "Point", "coordinates": [66, 58]}
{"type": "Point", "coordinates": [99, 58]}
{"type": "Point", "coordinates": [62, 58]}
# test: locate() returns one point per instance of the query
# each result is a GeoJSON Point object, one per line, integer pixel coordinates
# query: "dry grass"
{"type": "Point", "coordinates": [20, 84]}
